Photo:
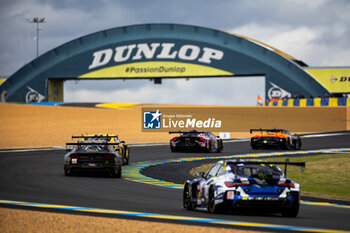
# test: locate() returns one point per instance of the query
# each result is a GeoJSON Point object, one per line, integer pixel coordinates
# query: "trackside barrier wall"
{"type": "Point", "coordinates": [311, 102]}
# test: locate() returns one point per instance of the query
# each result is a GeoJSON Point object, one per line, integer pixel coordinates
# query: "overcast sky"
{"type": "Point", "coordinates": [315, 31]}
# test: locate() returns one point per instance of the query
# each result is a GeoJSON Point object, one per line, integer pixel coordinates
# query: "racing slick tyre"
{"type": "Point", "coordinates": [210, 147]}
{"type": "Point", "coordinates": [220, 147]}
{"type": "Point", "coordinates": [127, 156]}
{"type": "Point", "coordinates": [291, 211]}
{"type": "Point", "coordinates": [116, 172]}
{"type": "Point", "coordinates": [67, 172]}
{"type": "Point", "coordinates": [299, 144]}
{"type": "Point", "coordinates": [173, 149]}
{"type": "Point", "coordinates": [288, 144]}
{"type": "Point", "coordinates": [254, 147]}
{"type": "Point", "coordinates": [187, 204]}
{"type": "Point", "coordinates": [294, 145]}
{"type": "Point", "coordinates": [212, 208]}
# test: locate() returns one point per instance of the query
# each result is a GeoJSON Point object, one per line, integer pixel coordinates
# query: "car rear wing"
{"type": "Point", "coordinates": [181, 132]}
{"type": "Point", "coordinates": [98, 136]}
{"type": "Point", "coordinates": [95, 136]}
{"type": "Point", "coordinates": [262, 130]}
{"type": "Point", "coordinates": [91, 143]}
{"type": "Point", "coordinates": [286, 164]}
{"type": "Point", "coordinates": [173, 132]}
{"type": "Point", "coordinates": [88, 144]}
{"type": "Point", "coordinates": [195, 131]}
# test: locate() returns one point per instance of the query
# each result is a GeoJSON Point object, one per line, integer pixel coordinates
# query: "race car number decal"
{"type": "Point", "coordinates": [263, 198]}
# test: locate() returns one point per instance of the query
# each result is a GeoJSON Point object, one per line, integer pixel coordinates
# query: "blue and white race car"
{"type": "Point", "coordinates": [233, 185]}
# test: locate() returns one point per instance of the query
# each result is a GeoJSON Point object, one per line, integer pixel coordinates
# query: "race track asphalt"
{"type": "Point", "coordinates": [37, 176]}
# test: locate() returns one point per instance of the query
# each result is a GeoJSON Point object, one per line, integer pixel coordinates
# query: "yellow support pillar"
{"type": "Point", "coordinates": [317, 102]}
{"type": "Point", "coordinates": [55, 90]}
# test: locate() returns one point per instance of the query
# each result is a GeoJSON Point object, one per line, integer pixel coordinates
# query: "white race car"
{"type": "Point", "coordinates": [233, 185]}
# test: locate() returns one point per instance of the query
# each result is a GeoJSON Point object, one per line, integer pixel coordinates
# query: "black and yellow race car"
{"type": "Point", "coordinates": [92, 156]}
{"type": "Point", "coordinates": [119, 146]}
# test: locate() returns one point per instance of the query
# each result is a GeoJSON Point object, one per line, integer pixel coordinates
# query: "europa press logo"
{"type": "Point", "coordinates": [151, 120]}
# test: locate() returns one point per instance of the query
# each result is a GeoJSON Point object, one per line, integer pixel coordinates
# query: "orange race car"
{"type": "Point", "coordinates": [275, 138]}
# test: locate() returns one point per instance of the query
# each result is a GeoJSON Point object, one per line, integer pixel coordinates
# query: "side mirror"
{"type": "Point", "coordinates": [122, 141]}
{"type": "Point", "coordinates": [200, 174]}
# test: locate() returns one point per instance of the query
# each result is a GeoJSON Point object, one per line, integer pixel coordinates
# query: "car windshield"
{"type": "Point", "coordinates": [192, 134]}
{"type": "Point", "coordinates": [97, 139]}
{"type": "Point", "coordinates": [273, 131]}
{"type": "Point", "coordinates": [91, 147]}
{"type": "Point", "coordinates": [256, 170]}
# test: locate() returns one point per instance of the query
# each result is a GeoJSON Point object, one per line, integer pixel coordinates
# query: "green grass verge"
{"type": "Point", "coordinates": [325, 176]}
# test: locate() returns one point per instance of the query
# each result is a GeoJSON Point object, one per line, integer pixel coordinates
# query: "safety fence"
{"type": "Point", "coordinates": [310, 102]}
